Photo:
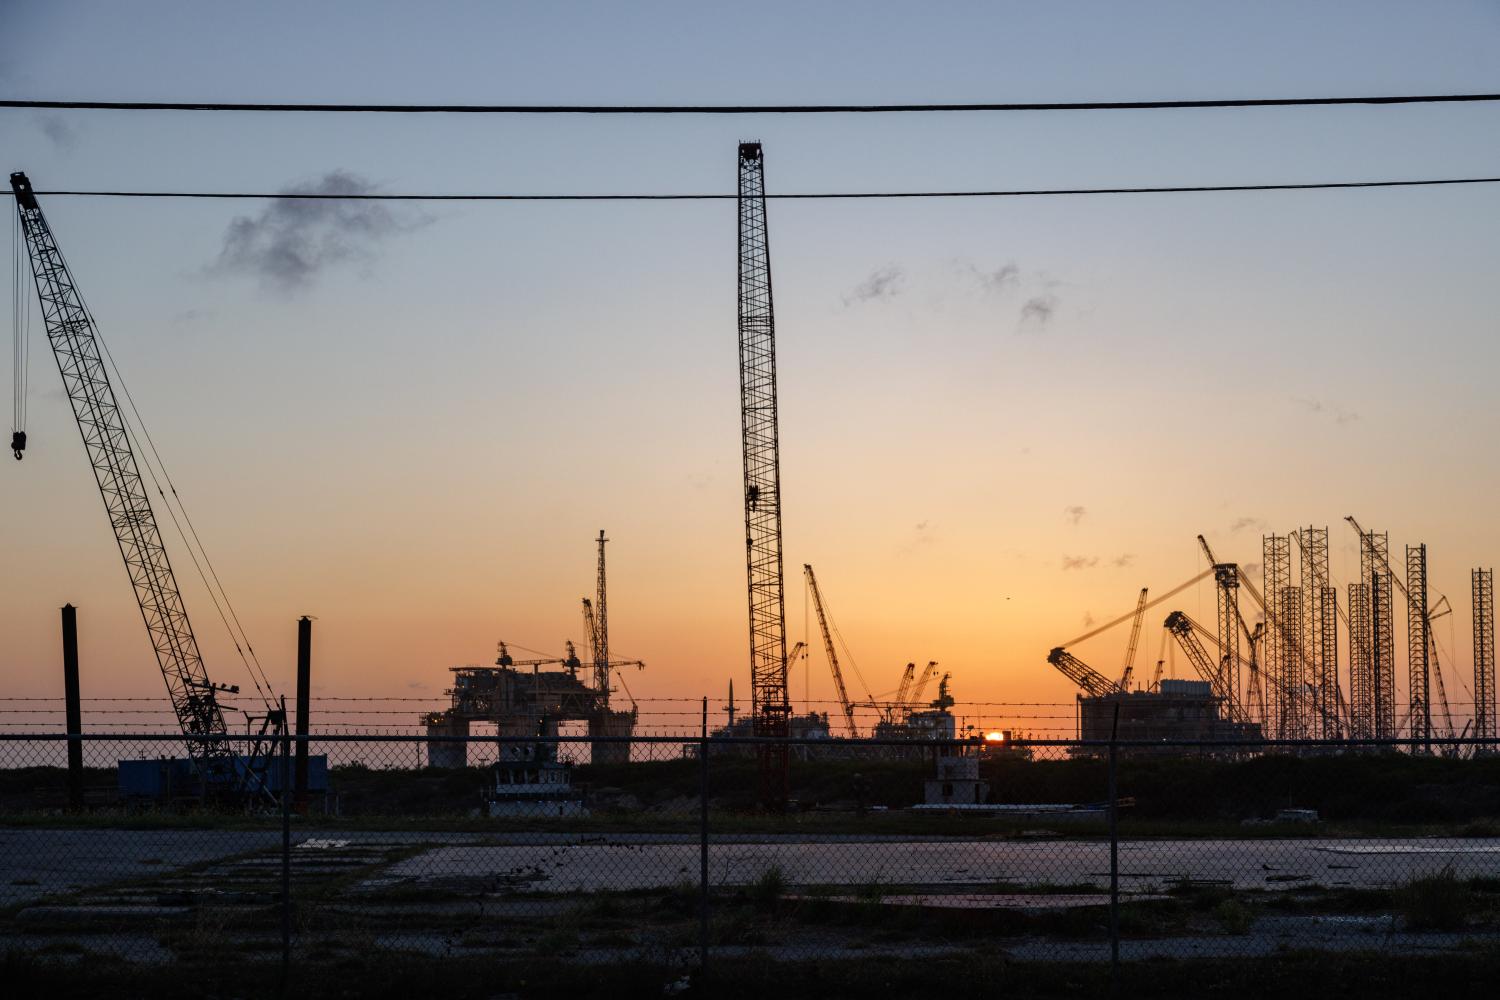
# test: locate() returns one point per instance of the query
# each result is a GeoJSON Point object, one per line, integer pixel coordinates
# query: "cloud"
{"type": "Point", "coordinates": [292, 242]}
{"type": "Point", "coordinates": [884, 283]}
{"type": "Point", "coordinates": [1337, 413]}
{"type": "Point", "coordinates": [417, 686]}
{"type": "Point", "coordinates": [1088, 619]}
{"type": "Point", "coordinates": [1036, 312]}
{"type": "Point", "coordinates": [1079, 562]}
{"type": "Point", "coordinates": [1123, 560]}
{"type": "Point", "coordinates": [998, 280]}
{"type": "Point", "coordinates": [59, 131]}
{"type": "Point", "coordinates": [1245, 524]}
{"type": "Point", "coordinates": [1075, 514]}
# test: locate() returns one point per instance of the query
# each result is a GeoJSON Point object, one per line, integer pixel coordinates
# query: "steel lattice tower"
{"type": "Point", "coordinates": [1314, 545]}
{"type": "Point", "coordinates": [758, 427]}
{"type": "Point", "coordinates": [1227, 579]}
{"type": "Point", "coordinates": [1295, 725]}
{"type": "Point", "coordinates": [1484, 653]}
{"type": "Point", "coordinates": [1361, 674]}
{"type": "Point", "coordinates": [1328, 685]}
{"type": "Point", "coordinates": [1418, 643]}
{"type": "Point", "coordinates": [1276, 572]}
{"type": "Point", "coordinates": [1375, 570]}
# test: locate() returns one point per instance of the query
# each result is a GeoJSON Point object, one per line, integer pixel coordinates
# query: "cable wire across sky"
{"type": "Point", "coordinates": [789, 196]}
{"type": "Point", "coordinates": [749, 109]}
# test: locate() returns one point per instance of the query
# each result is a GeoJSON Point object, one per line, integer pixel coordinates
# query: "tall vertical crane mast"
{"type": "Point", "coordinates": [601, 634]}
{"type": "Point", "coordinates": [75, 344]}
{"type": "Point", "coordinates": [833, 656]}
{"type": "Point", "coordinates": [761, 447]}
{"type": "Point", "coordinates": [1135, 640]}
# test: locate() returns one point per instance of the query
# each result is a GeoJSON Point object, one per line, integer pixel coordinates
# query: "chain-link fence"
{"type": "Point", "coordinates": [679, 853]}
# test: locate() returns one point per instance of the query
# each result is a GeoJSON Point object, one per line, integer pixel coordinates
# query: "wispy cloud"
{"type": "Point", "coordinates": [62, 135]}
{"type": "Point", "coordinates": [997, 280]}
{"type": "Point", "coordinates": [1037, 311]}
{"type": "Point", "coordinates": [1123, 560]}
{"type": "Point", "coordinates": [1074, 514]}
{"type": "Point", "coordinates": [293, 241]}
{"type": "Point", "coordinates": [1079, 562]}
{"type": "Point", "coordinates": [884, 283]}
{"type": "Point", "coordinates": [1088, 619]}
{"type": "Point", "coordinates": [1338, 414]}
{"type": "Point", "coordinates": [1246, 524]}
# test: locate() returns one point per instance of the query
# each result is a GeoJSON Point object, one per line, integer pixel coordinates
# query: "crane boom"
{"type": "Point", "coordinates": [833, 656]}
{"type": "Point", "coordinates": [760, 444]}
{"type": "Point", "coordinates": [1135, 638]}
{"type": "Point", "coordinates": [914, 697]}
{"type": "Point", "coordinates": [1080, 673]}
{"type": "Point", "coordinates": [1185, 631]}
{"type": "Point", "coordinates": [75, 345]}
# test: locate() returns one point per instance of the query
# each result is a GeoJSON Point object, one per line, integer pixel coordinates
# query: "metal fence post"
{"type": "Point", "coordinates": [703, 846]}
{"type": "Point", "coordinates": [1114, 855]}
{"type": "Point", "coordinates": [286, 848]}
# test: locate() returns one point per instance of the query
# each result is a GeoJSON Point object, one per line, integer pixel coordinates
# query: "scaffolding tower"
{"type": "Point", "coordinates": [1361, 673]}
{"type": "Point", "coordinates": [1375, 571]}
{"type": "Point", "coordinates": [1328, 683]}
{"type": "Point", "coordinates": [1315, 627]}
{"type": "Point", "coordinates": [1295, 681]}
{"type": "Point", "coordinates": [1418, 644]}
{"type": "Point", "coordinates": [1484, 653]}
{"type": "Point", "coordinates": [1276, 571]}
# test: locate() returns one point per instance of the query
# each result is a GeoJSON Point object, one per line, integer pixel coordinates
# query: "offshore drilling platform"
{"type": "Point", "coordinates": [522, 699]}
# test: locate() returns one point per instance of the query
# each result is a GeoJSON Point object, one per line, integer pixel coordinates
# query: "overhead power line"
{"type": "Point", "coordinates": [807, 196]}
{"type": "Point", "coordinates": [745, 109]}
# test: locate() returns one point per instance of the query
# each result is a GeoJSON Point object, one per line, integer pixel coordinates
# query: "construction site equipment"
{"type": "Point", "coordinates": [914, 696]}
{"type": "Point", "coordinates": [72, 333]}
{"type": "Point", "coordinates": [1135, 639]}
{"type": "Point", "coordinates": [760, 447]}
{"type": "Point", "coordinates": [1186, 632]}
{"type": "Point", "coordinates": [828, 647]}
{"type": "Point", "coordinates": [1483, 593]}
{"type": "Point", "coordinates": [1423, 666]}
{"type": "Point", "coordinates": [1080, 673]}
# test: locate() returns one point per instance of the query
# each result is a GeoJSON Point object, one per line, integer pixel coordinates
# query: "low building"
{"type": "Point", "coordinates": [957, 782]}
{"type": "Point", "coordinates": [1178, 710]}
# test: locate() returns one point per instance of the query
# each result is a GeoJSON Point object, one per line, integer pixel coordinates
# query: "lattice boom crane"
{"type": "Point", "coordinates": [75, 345]}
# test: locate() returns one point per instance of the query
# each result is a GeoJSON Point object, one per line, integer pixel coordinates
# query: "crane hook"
{"type": "Point", "coordinates": [17, 443]}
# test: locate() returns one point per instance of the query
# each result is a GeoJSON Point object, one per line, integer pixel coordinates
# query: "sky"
{"type": "Point", "coordinates": [999, 418]}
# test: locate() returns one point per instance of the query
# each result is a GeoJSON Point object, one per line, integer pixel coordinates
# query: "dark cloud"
{"type": "Point", "coordinates": [59, 131]}
{"type": "Point", "coordinates": [1074, 514]}
{"type": "Point", "coordinates": [1036, 312]}
{"type": "Point", "coordinates": [882, 284]}
{"type": "Point", "coordinates": [1338, 414]}
{"type": "Point", "coordinates": [1079, 562]}
{"type": "Point", "coordinates": [292, 242]}
{"type": "Point", "coordinates": [1123, 560]}
{"type": "Point", "coordinates": [1088, 619]}
{"type": "Point", "coordinates": [998, 280]}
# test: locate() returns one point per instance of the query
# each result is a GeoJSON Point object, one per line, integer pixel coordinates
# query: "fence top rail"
{"type": "Point", "coordinates": [752, 741]}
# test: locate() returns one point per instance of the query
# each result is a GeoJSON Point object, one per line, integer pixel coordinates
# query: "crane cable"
{"type": "Point", "coordinates": [135, 431]}
{"type": "Point", "coordinates": [20, 338]}
{"type": "Point", "coordinates": [1132, 613]}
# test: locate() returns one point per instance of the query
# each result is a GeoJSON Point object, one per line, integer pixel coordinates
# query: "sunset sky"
{"type": "Point", "coordinates": [999, 418]}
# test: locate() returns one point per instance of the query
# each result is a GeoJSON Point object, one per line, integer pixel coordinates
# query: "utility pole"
{"type": "Point", "coordinates": [74, 706]}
